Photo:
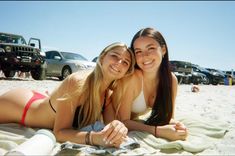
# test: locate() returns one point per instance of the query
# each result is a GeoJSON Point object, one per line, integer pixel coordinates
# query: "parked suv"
{"type": "Point", "coordinates": [185, 74]}
{"type": "Point", "coordinates": [214, 77]}
{"type": "Point", "coordinates": [17, 55]}
{"type": "Point", "coordinates": [61, 64]}
{"type": "Point", "coordinates": [219, 74]}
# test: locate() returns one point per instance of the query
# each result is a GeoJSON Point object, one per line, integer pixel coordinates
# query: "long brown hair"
{"type": "Point", "coordinates": [162, 109]}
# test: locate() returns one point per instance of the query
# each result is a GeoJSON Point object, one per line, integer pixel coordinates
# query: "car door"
{"type": "Point", "coordinates": [54, 66]}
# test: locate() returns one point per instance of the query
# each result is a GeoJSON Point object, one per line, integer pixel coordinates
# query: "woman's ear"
{"type": "Point", "coordinates": [101, 60]}
{"type": "Point", "coordinates": [163, 50]}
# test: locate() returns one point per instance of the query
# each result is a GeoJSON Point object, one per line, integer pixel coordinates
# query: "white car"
{"type": "Point", "coordinates": [61, 64]}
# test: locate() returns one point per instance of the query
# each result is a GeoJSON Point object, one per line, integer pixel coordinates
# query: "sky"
{"type": "Point", "coordinates": [200, 32]}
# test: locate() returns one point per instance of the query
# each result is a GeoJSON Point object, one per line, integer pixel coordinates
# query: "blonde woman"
{"type": "Point", "coordinates": [78, 100]}
{"type": "Point", "coordinates": [152, 87]}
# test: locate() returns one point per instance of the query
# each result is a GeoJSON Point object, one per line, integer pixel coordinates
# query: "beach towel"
{"type": "Point", "coordinates": [204, 135]}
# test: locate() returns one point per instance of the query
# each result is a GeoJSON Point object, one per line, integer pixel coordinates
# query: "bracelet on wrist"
{"type": "Point", "coordinates": [87, 138]}
{"type": "Point", "coordinates": [90, 139]}
{"type": "Point", "coordinates": [155, 131]}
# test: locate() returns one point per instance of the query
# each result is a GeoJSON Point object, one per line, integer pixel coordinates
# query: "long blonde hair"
{"type": "Point", "coordinates": [89, 92]}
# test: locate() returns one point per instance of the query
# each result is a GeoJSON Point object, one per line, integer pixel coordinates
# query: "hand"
{"type": "Point", "coordinates": [115, 133]}
{"type": "Point", "coordinates": [180, 126]}
{"type": "Point", "coordinates": [172, 132]}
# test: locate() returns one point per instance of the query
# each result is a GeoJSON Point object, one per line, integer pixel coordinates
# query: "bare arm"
{"type": "Point", "coordinates": [108, 112]}
{"type": "Point", "coordinates": [167, 131]}
{"type": "Point", "coordinates": [179, 125]}
{"type": "Point", "coordinates": [65, 113]}
{"type": "Point", "coordinates": [64, 131]}
{"type": "Point", "coordinates": [174, 94]}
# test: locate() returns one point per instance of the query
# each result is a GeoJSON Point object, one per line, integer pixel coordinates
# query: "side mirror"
{"type": "Point", "coordinates": [57, 57]}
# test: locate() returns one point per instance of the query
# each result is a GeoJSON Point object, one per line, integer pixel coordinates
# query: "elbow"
{"type": "Point", "coordinates": [58, 135]}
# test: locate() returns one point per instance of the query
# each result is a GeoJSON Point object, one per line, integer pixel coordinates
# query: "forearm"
{"type": "Point", "coordinates": [108, 114]}
{"type": "Point", "coordinates": [71, 135]}
{"type": "Point", "coordinates": [138, 126]}
{"type": "Point", "coordinates": [81, 137]}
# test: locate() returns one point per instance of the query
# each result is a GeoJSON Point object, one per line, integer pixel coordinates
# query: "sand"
{"type": "Point", "coordinates": [211, 102]}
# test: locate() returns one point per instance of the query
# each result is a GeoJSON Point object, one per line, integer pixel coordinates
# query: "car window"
{"type": "Point", "coordinates": [73, 56]}
{"type": "Point", "coordinates": [54, 53]}
{"type": "Point", "coordinates": [7, 38]}
{"type": "Point", "coordinates": [48, 55]}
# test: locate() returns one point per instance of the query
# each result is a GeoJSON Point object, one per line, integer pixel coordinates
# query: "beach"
{"type": "Point", "coordinates": [212, 102]}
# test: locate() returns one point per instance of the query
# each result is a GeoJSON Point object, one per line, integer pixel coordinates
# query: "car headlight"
{"type": "Point", "coordinates": [81, 66]}
{"type": "Point", "coordinates": [8, 49]}
{"type": "Point", "coordinates": [2, 50]}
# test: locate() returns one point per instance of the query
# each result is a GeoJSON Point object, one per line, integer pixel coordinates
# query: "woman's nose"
{"type": "Point", "coordinates": [145, 53]}
{"type": "Point", "coordinates": [120, 61]}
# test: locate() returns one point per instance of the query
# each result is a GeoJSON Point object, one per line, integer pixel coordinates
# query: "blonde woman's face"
{"type": "Point", "coordinates": [148, 54]}
{"type": "Point", "coordinates": [116, 63]}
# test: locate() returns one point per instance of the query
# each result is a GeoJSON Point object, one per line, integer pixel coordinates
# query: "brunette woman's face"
{"type": "Point", "coordinates": [148, 53]}
{"type": "Point", "coordinates": [116, 63]}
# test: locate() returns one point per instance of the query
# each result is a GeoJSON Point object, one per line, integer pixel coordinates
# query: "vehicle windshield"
{"type": "Point", "coordinates": [73, 56]}
{"type": "Point", "coordinates": [7, 38]}
{"type": "Point", "coordinates": [203, 69]}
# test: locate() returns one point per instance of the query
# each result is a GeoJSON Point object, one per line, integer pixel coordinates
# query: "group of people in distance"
{"type": "Point", "coordinates": [126, 83]}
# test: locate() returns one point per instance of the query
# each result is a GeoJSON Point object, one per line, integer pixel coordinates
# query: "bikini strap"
{"type": "Point", "coordinates": [51, 106]}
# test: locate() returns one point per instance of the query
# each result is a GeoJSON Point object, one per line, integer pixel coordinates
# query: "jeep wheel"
{"type": "Point", "coordinates": [66, 71]}
{"type": "Point", "coordinates": [9, 73]}
{"type": "Point", "coordinates": [38, 73]}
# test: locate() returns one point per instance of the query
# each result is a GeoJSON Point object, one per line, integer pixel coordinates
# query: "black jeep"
{"type": "Point", "coordinates": [17, 55]}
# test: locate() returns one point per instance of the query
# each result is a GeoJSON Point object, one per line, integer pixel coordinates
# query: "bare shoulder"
{"type": "Point", "coordinates": [79, 75]}
{"type": "Point", "coordinates": [134, 79]}
{"type": "Point", "coordinates": [174, 79]}
{"type": "Point", "coordinates": [72, 83]}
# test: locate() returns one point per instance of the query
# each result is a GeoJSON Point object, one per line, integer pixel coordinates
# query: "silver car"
{"type": "Point", "coordinates": [61, 64]}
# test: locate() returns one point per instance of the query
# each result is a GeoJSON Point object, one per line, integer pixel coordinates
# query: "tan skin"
{"type": "Point", "coordinates": [148, 57]}
{"type": "Point", "coordinates": [115, 64]}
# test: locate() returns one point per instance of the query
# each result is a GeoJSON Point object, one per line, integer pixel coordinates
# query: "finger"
{"type": "Point", "coordinates": [110, 125]}
{"type": "Point", "coordinates": [181, 132]}
{"type": "Point", "coordinates": [180, 126]}
{"type": "Point", "coordinates": [120, 136]}
{"type": "Point", "coordinates": [107, 131]}
{"type": "Point", "coordinates": [117, 143]}
{"type": "Point", "coordinates": [116, 133]}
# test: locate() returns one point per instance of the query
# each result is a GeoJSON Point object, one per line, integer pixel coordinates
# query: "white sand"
{"type": "Point", "coordinates": [211, 102]}
{"type": "Point", "coordinates": [214, 103]}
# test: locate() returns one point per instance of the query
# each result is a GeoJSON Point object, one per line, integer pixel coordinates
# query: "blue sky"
{"type": "Point", "coordinates": [199, 32]}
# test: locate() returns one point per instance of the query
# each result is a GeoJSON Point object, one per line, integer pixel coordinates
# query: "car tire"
{"type": "Point", "coordinates": [9, 73]}
{"type": "Point", "coordinates": [38, 73]}
{"type": "Point", "coordinates": [66, 71]}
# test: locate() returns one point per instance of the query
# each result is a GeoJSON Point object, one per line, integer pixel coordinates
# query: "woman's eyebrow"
{"type": "Point", "coordinates": [149, 45]}
{"type": "Point", "coordinates": [126, 59]}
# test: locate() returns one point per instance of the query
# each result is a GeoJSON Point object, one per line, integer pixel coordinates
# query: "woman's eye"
{"type": "Point", "coordinates": [137, 52]}
{"type": "Point", "coordinates": [114, 56]}
{"type": "Point", "coordinates": [125, 63]}
{"type": "Point", "coordinates": [151, 48]}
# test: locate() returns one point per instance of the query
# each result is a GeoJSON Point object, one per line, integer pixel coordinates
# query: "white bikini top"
{"type": "Point", "coordinates": [139, 104]}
